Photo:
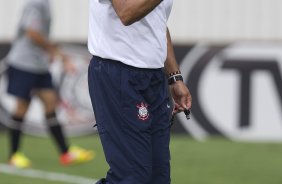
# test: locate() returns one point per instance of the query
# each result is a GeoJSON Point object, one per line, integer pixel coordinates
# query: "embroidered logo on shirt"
{"type": "Point", "coordinates": [143, 112]}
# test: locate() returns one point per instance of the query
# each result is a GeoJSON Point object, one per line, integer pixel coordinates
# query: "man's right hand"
{"type": "Point", "coordinates": [181, 96]}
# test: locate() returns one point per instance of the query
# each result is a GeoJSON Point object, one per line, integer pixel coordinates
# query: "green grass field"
{"type": "Point", "coordinates": [215, 161]}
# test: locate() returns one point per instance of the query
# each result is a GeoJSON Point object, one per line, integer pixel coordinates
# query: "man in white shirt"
{"type": "Point", "coordinates": [132, 55]}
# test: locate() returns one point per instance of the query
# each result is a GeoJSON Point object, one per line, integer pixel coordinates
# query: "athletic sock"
{"type": "Point", "coordinates": [15, 134]}
{"type": "Point", "coordinates": [56, 131]}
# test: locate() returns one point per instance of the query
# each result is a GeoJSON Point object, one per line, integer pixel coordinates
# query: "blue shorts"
{"type": "Point", "coordinates": [132, 112]}
{"type": "Point", "coordinates": [22, 83]}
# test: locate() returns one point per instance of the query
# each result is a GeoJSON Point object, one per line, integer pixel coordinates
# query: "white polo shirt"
{"type": "Point", "coordinates": [142, 44]}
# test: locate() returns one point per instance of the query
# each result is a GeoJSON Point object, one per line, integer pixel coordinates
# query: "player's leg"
{"type": "Point", "coordinates": [16, 124]}
{"type": "Point", "coordinates": [69, 154]}
{"type": "Point", "coordinates": [19, 85]}
{"type": "Point", "coordinates": [123, 123]}
{"type": "Point", "coordinates": [161, 132]}
{"type": "Point", "coordinates": [49, 100]}
{"type": "Point", "coordinates": [161, 139]}
{"type": "Point", "coordinates": [16, 158]}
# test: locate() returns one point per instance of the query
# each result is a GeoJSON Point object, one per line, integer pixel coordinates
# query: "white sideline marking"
{"type": "Point", "coordinates": [51, 176]}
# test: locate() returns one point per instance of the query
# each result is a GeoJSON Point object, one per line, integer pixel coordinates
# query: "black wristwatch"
{"type": "Point", "coordinates": [174, 78]}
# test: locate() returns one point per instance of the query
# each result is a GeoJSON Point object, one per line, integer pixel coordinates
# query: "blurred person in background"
{"type": "Point", "coordinates": [132, 55]}
{"type": "Point", "coordinates": [28, 73]}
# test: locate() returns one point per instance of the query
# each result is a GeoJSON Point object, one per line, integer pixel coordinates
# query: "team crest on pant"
{"type": "Point", "coordinates": [143, 112]}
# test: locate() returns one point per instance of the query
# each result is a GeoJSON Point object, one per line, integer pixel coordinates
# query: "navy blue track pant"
{"type": "Point", "coordinates": [131, 107]}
